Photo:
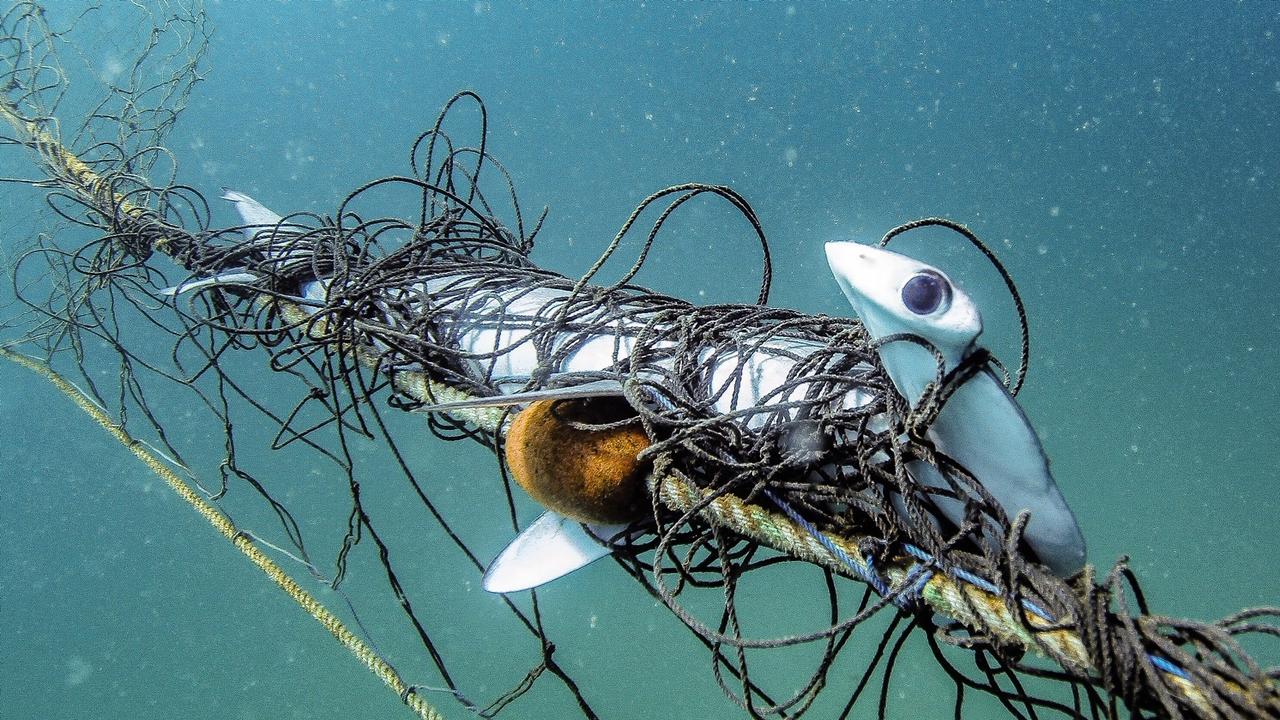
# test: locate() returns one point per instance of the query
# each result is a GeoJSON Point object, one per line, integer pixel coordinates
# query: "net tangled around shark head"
{"type": "Point", "coordinates": [361, 312]}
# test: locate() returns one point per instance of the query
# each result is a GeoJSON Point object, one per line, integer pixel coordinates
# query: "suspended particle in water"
{"type": "Point", "coordinates": [78, 670]}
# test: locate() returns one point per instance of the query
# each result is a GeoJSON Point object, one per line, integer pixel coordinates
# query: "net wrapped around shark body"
{"type": "Point", "coordinates": [734, 492]}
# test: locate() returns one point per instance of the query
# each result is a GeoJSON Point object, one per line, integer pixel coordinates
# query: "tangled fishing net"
{"type": "Point", "coordinates": [362, 313]}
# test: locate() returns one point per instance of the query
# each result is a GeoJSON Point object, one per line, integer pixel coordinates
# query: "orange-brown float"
{"type": "Point", "coordinates": [588, 474]}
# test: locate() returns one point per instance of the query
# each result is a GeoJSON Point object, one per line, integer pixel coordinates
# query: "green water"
{"type": "Point", "coordinates": [1122, 161]}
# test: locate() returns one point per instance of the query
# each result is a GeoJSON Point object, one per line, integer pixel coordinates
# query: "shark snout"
{"type": "Point", "coordinates": [846, 256]}
{"type": "Point", "coordinates": [850, 261]}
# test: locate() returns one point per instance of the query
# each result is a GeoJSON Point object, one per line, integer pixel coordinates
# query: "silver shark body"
{"type": "Point", "coordinates": [981, 426]}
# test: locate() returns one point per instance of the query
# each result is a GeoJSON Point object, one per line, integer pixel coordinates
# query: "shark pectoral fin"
{"type": "Point", "coordinates": [552, 547]}
{"type": "Point", "coordinates": [597, 388]}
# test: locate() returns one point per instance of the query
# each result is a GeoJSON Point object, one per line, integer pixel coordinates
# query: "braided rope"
{"type": "Point", "coordinates": [73, 173]}
{"type": "Point", "coordinates": [313, 607]}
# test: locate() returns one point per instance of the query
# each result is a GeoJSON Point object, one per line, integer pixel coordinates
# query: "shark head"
{"type": "Point", "coordinates": [981, 426]}
{"type": "Point", "coordinates": [894, 294]}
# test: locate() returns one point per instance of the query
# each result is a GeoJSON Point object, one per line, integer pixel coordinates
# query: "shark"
{"type": "Point", "coordinates": [924, 326]}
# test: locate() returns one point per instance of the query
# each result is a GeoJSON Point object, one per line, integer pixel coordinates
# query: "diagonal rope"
{"type": "Point", "coordinates": [305, 600]}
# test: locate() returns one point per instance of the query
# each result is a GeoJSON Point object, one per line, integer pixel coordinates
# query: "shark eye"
{"type": "Point", "coordinates": [926, 292]}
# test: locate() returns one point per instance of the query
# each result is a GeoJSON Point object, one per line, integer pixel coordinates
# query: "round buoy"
{"type": "Point", "coordinates": [590, 475]}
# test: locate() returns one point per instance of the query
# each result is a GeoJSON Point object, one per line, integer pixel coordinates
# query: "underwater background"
{"type": "Point", "coordinates": [1123, 161]}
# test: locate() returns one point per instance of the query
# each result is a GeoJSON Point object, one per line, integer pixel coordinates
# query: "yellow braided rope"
{"type": "Point", "coordinates": [304, 599]}
{"type": "Point", "coordinates": [961, 601]}
{"type": "Point", "coordinates": [964, 602]}
{"type": "Point", "coordinates": [73, 172]}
